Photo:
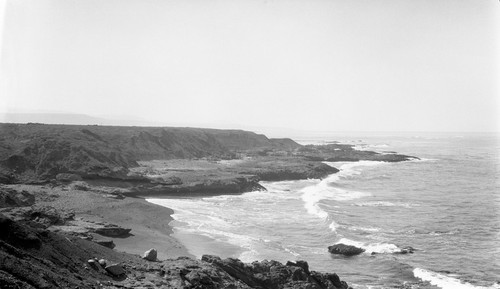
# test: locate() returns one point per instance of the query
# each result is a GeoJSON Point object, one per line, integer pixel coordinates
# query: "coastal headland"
{"type": "Point", "coordinates": [72, 193]}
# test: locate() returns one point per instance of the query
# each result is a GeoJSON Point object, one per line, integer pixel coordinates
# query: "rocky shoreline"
{"type": "Point", "coordinates": [73, 195]}
{"type": "Point", "coordinates": [60, 237]}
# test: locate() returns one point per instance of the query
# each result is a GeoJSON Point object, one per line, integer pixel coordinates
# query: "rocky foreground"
{"type": "Point", "coordinates": [47, 247]}
{"type": "Point", "coordinates": [70, 204]}
{"type": "Point", "coordinates": [33, 257]}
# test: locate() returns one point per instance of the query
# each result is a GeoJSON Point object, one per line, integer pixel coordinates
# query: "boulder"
{"type": "Point", "coordinates": [102, 262]}
{"type": "Point", "coordinates": [150, 255]}
{"type": "Point", "coordinates": [115, 269]}
{"type": "Point", "coordinates": [91, 262]}
{"type": "Point", "coordinates": [346, 250]}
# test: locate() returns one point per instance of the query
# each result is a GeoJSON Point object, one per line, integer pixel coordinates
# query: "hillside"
{"type": "Point", "coordinates": [38, 151]}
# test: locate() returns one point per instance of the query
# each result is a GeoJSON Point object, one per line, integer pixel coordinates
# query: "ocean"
{"type": "Point", "coordinates": [445, 205]}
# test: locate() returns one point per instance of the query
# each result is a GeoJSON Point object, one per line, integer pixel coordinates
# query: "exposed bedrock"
{"type": "Point", "coordinates": [216, 186]}
{"type": "Point", "coordinates": [347, 153]}
{"type": "Point", "coordinates": [273, 274]}
{"type": "Point", "coordinates": [281, 169]}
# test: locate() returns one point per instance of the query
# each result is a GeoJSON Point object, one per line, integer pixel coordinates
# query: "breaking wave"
{"type": "Point", "coordinates": [447, 282]}
{"type": "Point", "coordinates": [328, 189]}
{"type": "Point", "coordinates": [379, 248]}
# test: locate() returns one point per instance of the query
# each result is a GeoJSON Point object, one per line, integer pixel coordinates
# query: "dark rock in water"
{"type": "Point", "coordinates": [346, 250]}
{"type": "Point", "coordinates": [106, 243]}
{"type": "Point", "coordinates": [150, 255]}
{"type": "Point", "coordinates": [113, 231]}
{"type": "Point", "coordinates": [115, 270]}
{"type": "Point", "coordinates": [406, 250]}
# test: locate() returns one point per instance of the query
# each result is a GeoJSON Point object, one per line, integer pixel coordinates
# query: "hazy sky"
{"type": "Point", "coordinates": [391, 65]}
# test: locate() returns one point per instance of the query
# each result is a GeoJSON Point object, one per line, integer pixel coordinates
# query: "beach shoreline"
{"type": "Point", "coordinates": [149, 223]}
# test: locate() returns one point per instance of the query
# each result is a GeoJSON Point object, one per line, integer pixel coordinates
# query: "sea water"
{"type": "Point", "coordinates": [445, 205]}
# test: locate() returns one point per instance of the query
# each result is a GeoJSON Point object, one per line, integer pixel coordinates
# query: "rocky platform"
{"type": "Point", "coordinates": [215, 161]}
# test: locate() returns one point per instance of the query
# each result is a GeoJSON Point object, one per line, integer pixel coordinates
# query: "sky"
{"type": "Point", "coordinates": [332, 65]}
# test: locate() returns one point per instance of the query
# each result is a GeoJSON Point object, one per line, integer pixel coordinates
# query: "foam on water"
{"type": "Point", "coordinates": [446, 282]}
{"type": "Point", "coordinates": [325, 190]}
{"type": "Point", "coordinates": [380, 248]}
{"type": "Point", "coordinates": [366, 229]}
{"type": "Point", "coordinates": [385, 204]}
{"type": "Point", "coordinates": [370, 147]}
{"type": "Point", "coordinates": [208, 223]}
{"type": "Point", "coordinates": [333, 226]}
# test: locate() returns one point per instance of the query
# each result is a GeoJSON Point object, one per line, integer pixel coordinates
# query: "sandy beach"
{"type": "Point", "coordinates": [149, 223]}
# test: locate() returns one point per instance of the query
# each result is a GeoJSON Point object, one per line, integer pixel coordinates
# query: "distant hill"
{"type": "Point", "coordinates": [67, 118]}
{"type": "Point", "coordinates": [41, 151]}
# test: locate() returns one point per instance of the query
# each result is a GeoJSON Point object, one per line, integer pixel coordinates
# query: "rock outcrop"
{"type": "Point", "coordinates": [285, 168]}
{"type": "Point", "coordinates": [14, 198]}
{"type": "Point", "coordinates": [115, 269]}
{"type": "Point", "coordinates": [106, 243]}
{"type": "Point", "coordinates": [347, 153]}
{"type": "Point", "coordinates": [273, 274]}
{"type": "Point", "coordinates": [112, 231]}
{"type": "Point", "coordinates": [206, 186]}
